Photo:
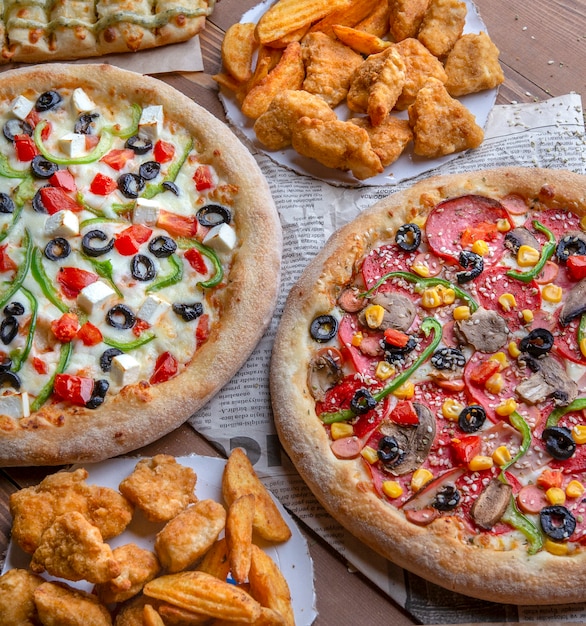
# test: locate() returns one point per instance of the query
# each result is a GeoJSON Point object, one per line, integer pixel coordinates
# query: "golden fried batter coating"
{"type": "Point", "coordinates": [377, 84]}
{"type": "Point", "coordinates": [73, 549]}
{"type": "Point", "coordinates": [137, 565]}
{"type": "Point", "coordinates": [35, 508]}
{"type": "Point", "coordinates": [388, 139]}
{"type": "Point", "coordinates": [406, 17]}
{"type": "Point", "coordinates": [131, 612]}
{"type": "Point", "coordinates": [442, 25]}
{"type": "Point", "coordinates": [442, 125]}
{"type": "Point", "coordinates": [273, 128]}
{"type": "Point", "coordinates": [329, 66]}
{"type": "Point", "coordinates": [160, 487]}
{"type": "Point", "coordinates": [473, 65]}
{"type": "Point", "coordinates": [61, 605]}
{"type": "Point", "coordinates": [337, 144]}
{"type": "Point", "coordinates": [17, 588]}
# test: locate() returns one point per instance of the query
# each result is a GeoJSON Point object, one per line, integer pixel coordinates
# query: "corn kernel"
{"type": "Point", "coordinates": [369, 455]}
{"type": "Point", "coordinates": [555, 495]}
{"type": "Point", "coordinates": [392, 488]}
{"type": "Point", "coordinates": [527, 315]}
{"type": "Point", "coordinates": [583, 346]}
{"type": "Point", "coordinates": [503, 225]}
{"type": "Point", "coordinates": [480, 462]}
{"type": "Point", "coordinates": [420, 269]}
{"type": "Point", "coordinates": [514, 349]}
{"type": "Point", "coordinates": [357, 339]}
{"type": "Point", "coordinates": [552, 293]}
{"type": "Point", "coordinates": [420, 478]}
{"type": "Point", "coordinates": [501, 359]}
{"type": "Point", "coordinates": [480, 247]}
{"type": "Point", "coordinates": [419, 220]}
{"type": "Point", "coordinates": [527, 256]}
{"type": "Point", "coordinates": [384, 370]}
{"type": "Point", "coordinates": [507, 301]}
{"type": "Point", "coordinates": [373, 314]}
{"type": "Point", "coordinates": [430, 298]}
{"type": "Point", "coordinates": [448, 296]}
{"type": "Point", "coordinates": [451, 409]}
{"type": "Point", "coordinates": [574, 489]}
{"type": "Point", "coordinates": [405, 392]}
{"type": "Point", "coordinates": [339, 430]}
{"type": "Point", "coordinates": [506, 407]}
{"type": "Point", "coordinates": [583, 223]}
{"type": "Point", "coordinates": [579, 433]}
{"type": "Point", "coordinates": [495, 383]}
{"type": "Point", "coordinates": [462, 312]}
{"type": "Point", "coordinates": [501, 455]}
{"type": "Point", "coordinates": [555, 547]}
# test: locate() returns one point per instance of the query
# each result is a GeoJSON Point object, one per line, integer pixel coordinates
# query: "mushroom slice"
{"type": "Point", "coordinates": [491, 504]}
{"type": "Point", "coordinates": [399, 311]}
{"type": "Point", "coordinates": [485, 330]}
{"type": "Point", "coordinates": [518, 237]}
{"type": "Point", "coordinates": [575, 303]}
{"type": "Point", "coordinates": [325, 371]}
{"type": "Point", "coordinates": [551, 380]}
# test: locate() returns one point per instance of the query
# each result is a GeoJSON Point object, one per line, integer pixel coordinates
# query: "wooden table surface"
{"type": "Point", "coordinates": [543, 54]}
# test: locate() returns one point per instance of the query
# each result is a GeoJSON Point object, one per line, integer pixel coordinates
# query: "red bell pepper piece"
{"type": "Point", "coordinates": [165, 368]}
{"type": "Point", "coordinates": [103, 185]}
{"type": "Point", "coordinates": [130, 239]}
{"type": "Point", "coordinates": [74, 389]}
{"type": "Point", "coordinates": [464, 449]}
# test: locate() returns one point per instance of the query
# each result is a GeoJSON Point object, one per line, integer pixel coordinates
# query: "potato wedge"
{"type": "Point", "coordinates": [238, 46]}
{"type": "Point", "coordinates": [348, 15]}
{"type": "Point", "coordinates": [239, 478]}
{"type": "Point", "coordinates": [215, 561]}
{"type": "Point", "coordinates": [239, 536]}
{"type": "Point", "coordinates": [360, 41]}
{"type": "Point", "coordinates": [150, 617]}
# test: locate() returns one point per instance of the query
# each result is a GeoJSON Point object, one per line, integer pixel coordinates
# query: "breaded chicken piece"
{"type": "Point", "coordinates": [73, 549]}
{"type": "Point", "coordinates": [442, 125]}
{"type": "Point", "coordinates": [420, 65]}
{"type": "Point", "coordinates": [35, 508]}
{"type": "Point", "coordinates": [336, 144]}
{"type": "Point", "coordinates": [329, 66]}
{"type": "Point", "coordinates": [273, 128]}
{"type": "Point", "coordinates": [406, 17]}
{"type": "Point", "coordinates": [131, 612]}
{"type": "Point", "coordinates": [160, 487]}
{"type": "Point", "coordinates": [377, 84]}
{"type": "Point", "coordinates": [388, 139]}
{"type": "Point", "coordinates": [442, 25]}
{"type": "Point", "coordinates": [17, 588]}
{"type": "Point", "coordinates": [473, 65]}
{"type": "Point", "coordinates": [137, 566]}
{"type": "Point", "coordinates": [61, 605]}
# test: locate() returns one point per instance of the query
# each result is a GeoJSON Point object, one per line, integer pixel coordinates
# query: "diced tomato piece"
{"type": "Point", "coordinates": [139, 327]}
{"type": "Point", "coordinates": [118, 158]}
{"type": "Point", "coordinates": [73, 280]}
{"type": "Point", "coordinates": [178, 225]}
{"type": "Point", "coordinates": [163, 151]}
{"type": "Point", "coordinates": [466, 448]}
{"type": "Point", "coordinates": [483, 371]}
{"type": "Point", "coordinates": [40, 365]}
{"type": "Point", "coordinates": [33, 118]}
{"type": "Point", "coordinates": [165, 368]}
{"type": "Point", "coordinates": [203, 328]}
{"type": "Point", "coordinates": [396, 338]}
{"type": "Point", "coordinates": [550, 478]}
{"type": "Point", "coordinates": [91, 141]}
{"type": "Point", "coordinates": [55, 199]}
{"type": "Point", "coordinates": [196, 260]}
{"type": "Point", "coordinates": [486, 231]}
{"type": "Point", "coordinates": [64, 180]}
{"type": "Point", "coordinates": [74, 389]}
{"type": "Point", "coordinates": [454, 385]}
{"type": "Point", "coordinates": [89, 334]}
{"type": "Point", "coordinates": [203, 178]}
{"type": "Point", "coordinates": [6, 263]}
{"type": "Point", "coordinates": [130, 239]}
{"type": "Point", "coordinates": [404, 413]}
{"type": "Point", "coordinates": [576, 265]}
{"type": "Point", "coordinates": [66, 327]}
{"type": "Point", "coordinates": [103, 185]}
{"type": "Point", "coordinates": [26, 149]}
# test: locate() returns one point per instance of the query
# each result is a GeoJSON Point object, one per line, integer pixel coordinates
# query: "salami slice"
{"type": "Point", "coordinates": [383, 260]}
{"type": "Point", "coordinates": [558, 221]}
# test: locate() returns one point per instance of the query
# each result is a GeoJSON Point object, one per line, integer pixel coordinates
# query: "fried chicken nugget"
{"type": "Point", "coordinates": [473, 65]}
{"type": "Point", "coordinates": [442, 25]}
{"type": "Point", "coordinates": [160, 487]}
{"type": "Point", "coordinates": [377, 22]}
{"type": "Point", "coordinates": [329, 65]}
{"type": "Point", "coordinates": [406, 17]}
{"type": "Point", "coordinates": [273, 128]}
{"type": "Point", "coordinates": [388, 139]}
{"type": "Point", "coordinates": [61, 605]}
{"type": "Point", "coordinates": [17, 588]}
{"type": "Point", "coordinates": [73, 549]}
{"type": "Point", "coordinates": [442, 125]}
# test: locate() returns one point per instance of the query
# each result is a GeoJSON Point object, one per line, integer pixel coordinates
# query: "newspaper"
{"type": "Point", "coordinates": [547, 134]}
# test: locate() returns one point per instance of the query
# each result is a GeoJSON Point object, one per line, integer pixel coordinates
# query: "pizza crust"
{"type": "Point", "coordinates": [435, 552]}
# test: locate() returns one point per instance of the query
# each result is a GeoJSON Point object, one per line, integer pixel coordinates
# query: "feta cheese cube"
{"type": "Point", "coordinates": [62, 224]}
{"type": "Point", "coordinates": [95, 296]}
{"type": "Point", "coordinates": [81, 101]}
{"type": "Point", "coordinates": [221, 237]}
{"type": "Point", "coordinates": [15, 405]}
{"type": "Point", "coordinates": [21, 107]}
{"type": "Point", "coordinates": [125, 370]}
{"type": "Point", "coordinates": [73, 144]}
{"type": "Point", "coordinates": [146, 212]}
{"type": "Point", "coordinates": [152, 309]}
{"type": "Point", "coordinates": [150, 124]}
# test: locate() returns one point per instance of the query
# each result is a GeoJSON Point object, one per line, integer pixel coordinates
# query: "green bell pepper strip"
{"type": "Point", "coordinates": [424, 283]}
{"type": "Point", "coordinates": [129, 345]}
{"type": "Point", "coordinates": [519, 424]}
{"type": "Point", "coordinates": [130, 131]}
{"type": "Point", "coordinates": [172, 278]}
{"type": "Point", "coordinates": [518, 521]}
{"type": "Point", "coordinates": [22, 271]}
{"type": "Point", "coordinates": [428, 324]}
{"type": "Point", "coordinates": [100, 220]}
{"type": "Point", "coordinates": [104, 269]}
{"type": "Point", "coordinates": [216, 279]}
{"type": "Point", "coordinates": [582, 329]}
{"type": "Point", "coordinates": [9, 172]}
{"type": "Point", "coordinates": [25, 191]}
{"type": "Point", "coordinates": [39, 274]}
{"type": "Point", "coordinates": [554, 417]}
{"type": "Point", "coordinates": [20, 356]}
{"type": "Point", "coordinates": [546, 253]}
{"type": "Point", "coordinates": [15, 217]}
{"type": "Point", "coordinates": [152, 189]}
{"type": "Point", "coordinates": [47, 390]}
{"type": "Point", "coordinates": [96, 154]}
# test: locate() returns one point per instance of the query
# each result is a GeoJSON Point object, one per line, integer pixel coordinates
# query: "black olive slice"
{"type": "Point", "coordinates": [471, 418]}
{"type": "Point", "coordinates": [42, 167]}
{"type": "Point", "coordinates": [6, 203]}
{"type": "Point", "coordinates": [142, 268]}
{"type": "Point", "coordinates": [557, 522]}
{"type": "Point", "coordinates": [9, 379]}
{"type": "Point", "coordinates": [98, 394]}
{"type": "Point", "coordinates": [389, 451]}
{"type": "Point", "coordinates": [408, 237]}
{"type": "Point", "coordinates": [106, 358]}
{"type": "Point", "coordinates": [162, 246]}
{"type": "Point", "coordinates": [559, 442]}
{"type": "Point", "coordinates": [130, 185]}
{"type": "Point", "coordinates": [472, 263]}
{"type": "Point", "coordinates": [537, 343]}
{"type": "Point", "coordinates": [84, 123]}
{"type": "Point", "coordinates": [323, 328]}
{"type": "Point", "coordinates": [140, 145]}
{"type": "Point", "coordinates": [362, 402]}
{"type": "Point", "coordinates": [188, 312]}
{"type": "Point", "coordinates": [446, 499]}
{"type": "Point", "coordinates": [170, 186]}
{"type": "Point", "coordinates": [120, 316]}
{"type": "Point", "coordinates": [94, 251]}
{"type": "Point", "coordinates": [37, 202]}
{"type": "Point", "coordinates": [213, 214]}
{"type": "Point", "coordinates": [8, 329]}
{"type": "Point", "coordinates": [569, 245]}
{"type": "Point", "coordinates": [396, 354]}
{"type": "Point", "coordinates": [47, 101]}
{"type": "Point", "coordinates": [149, 170]}
{"type": "Point", "coordinates": [5, 364]}
{"type": "Point", "coordinates": [15, 127]}
{"type": "Point", "coordinates": [14, 308]}
{"type": "Point", "coordinates": [448, 359]}
{"type": "Point", "coordinates": [58, 248]}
